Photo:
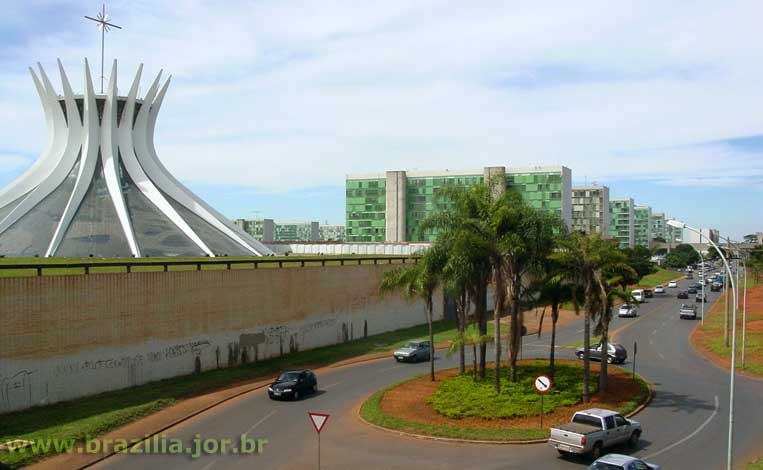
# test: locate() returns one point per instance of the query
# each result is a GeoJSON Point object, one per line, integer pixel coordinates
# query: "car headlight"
{"type": "Point", "coordinates": [270, 389]}
{"type": "Point", "coordinates": [287, 390]}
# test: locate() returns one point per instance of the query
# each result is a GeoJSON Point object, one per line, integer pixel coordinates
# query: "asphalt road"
{"type": "Point", "coordinates": [684, 427]}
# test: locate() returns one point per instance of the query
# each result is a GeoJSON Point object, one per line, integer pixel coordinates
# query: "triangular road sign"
{"type": "Point", "coordinates": [318, 420]}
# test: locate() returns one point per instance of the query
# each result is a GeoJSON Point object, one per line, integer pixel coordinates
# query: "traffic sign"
{"type": "Point", "coordinates": [318, 420]}
{"type": "Point", "coordinates": [543, 383]}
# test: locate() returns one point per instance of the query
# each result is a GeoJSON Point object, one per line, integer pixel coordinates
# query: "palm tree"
{"type": "Point", "coordinates": [553, 289]}
{"type": "Point", "coordinates": [420, 280]}
{"type": "Point", "coordinates": [469, 337]}
{"type": "Point", "coordinates": [580, 253]}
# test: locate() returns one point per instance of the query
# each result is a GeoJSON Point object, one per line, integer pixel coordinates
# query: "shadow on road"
{"type": "Point", "coordinates": [679, 402]}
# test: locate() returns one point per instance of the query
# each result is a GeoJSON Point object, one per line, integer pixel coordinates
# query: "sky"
{"type": "Point", "coordinates": [273, 103]}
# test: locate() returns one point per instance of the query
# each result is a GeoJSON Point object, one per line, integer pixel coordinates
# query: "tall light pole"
{"type": "Point", "coordinates": [730, 446]}
{"type": "Point", "coordinates": [744, 298]}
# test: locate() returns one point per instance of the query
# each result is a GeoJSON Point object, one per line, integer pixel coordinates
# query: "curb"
{"type": "Point", "coordinates": [441, 439]}
{"type": "Point", "coordinates": [639, 409]}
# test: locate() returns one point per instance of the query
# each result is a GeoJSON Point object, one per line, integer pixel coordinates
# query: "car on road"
{"type": "Point", "coordinates": [688, 311]}
{"type": "Point", "coordinates": [627, 310]}
{"type": "Point", "coordinates": [616, 353]}
{"type": "Point", "coordinates": [683, 294]}
{"type": "Point", "coordinates": [414, 351]}
{"type": "Point", "coordinates": [690, 276]}
{"type": "Point", "coordinates": [593, 430]}
{"type": "Point", "coordinates": [672, 284]}
{"type": "Point", "coordinates": [716, 287]}
{"type": "Point", "coordinates": [700, 297]}
{"type": "Point", "coordinates": [293, 384]}
{"type": "Point", "coordinates": [692, 290]}
{"type": "Point", "coordinates": [659, 289]}
{"type": "Point", "coordinates": [648, 293]}
{"type": "Point", "coordinates": [638, 295]}
{"type": "Point", "coordinates": [621, 462]}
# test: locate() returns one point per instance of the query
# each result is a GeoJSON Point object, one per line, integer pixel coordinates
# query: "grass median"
{"type": "Point", "coordinates": [98, 414]}
{"type": "Point", "coordinates": [661, 277]}
{"type": "Point", "coordinates": [457, 407]}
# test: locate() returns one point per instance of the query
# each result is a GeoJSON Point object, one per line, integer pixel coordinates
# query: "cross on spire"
{"type": "Point", "coordinates": [104, 25]}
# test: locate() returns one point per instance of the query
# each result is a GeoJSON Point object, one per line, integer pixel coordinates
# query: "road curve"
{"type": "Point", "coordinates": [684, 427]}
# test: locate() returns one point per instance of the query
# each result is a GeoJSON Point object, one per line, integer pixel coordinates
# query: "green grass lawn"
{"type": "Point", "coordinates": [98, 414]}
{"type": "Point", "coordinates": [661, 277]}
{"type": "Point", "coordinates": [460, 396]}
{"type": "Point", "coordinates": [264, 262]}
{"type": "Point", "coordinates": [371, 412]}
{"type": "Point", "coordinates": [756, 465]}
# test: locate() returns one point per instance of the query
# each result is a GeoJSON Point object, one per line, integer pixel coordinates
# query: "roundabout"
{"type": "Point", "coordinates": [460, 408]}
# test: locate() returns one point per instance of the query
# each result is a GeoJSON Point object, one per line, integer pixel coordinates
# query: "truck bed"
{"type": "Point", "coordinates": [577, 428]}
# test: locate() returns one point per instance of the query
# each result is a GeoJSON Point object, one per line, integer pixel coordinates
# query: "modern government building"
{"type": "Point", "coordinates": [389, 207]}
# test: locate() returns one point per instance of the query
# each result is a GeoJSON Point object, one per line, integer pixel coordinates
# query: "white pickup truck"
{"type": "Point", "coordinates": [591, 431]}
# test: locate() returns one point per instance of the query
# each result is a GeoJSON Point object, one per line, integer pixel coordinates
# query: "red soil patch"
{"type": "Point", "coordinates": [756, 325]}
{"type": "Point", "coordinates": [409, 401]}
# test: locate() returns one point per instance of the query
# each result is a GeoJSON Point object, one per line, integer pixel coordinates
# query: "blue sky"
{"type": "Point", "coordinates": [273, 102]}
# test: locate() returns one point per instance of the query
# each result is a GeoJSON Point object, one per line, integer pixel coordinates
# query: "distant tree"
{"type": "Point", "coordinates": [639, 258]}
{"type": "Point", "coordinates": [659, 239]}
{"type": "Point", "coordinates": [661, 251]}
{"type": "Point", "coordinates": [682, 256]}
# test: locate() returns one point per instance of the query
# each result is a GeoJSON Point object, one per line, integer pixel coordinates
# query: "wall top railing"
{"type": "Point", "coordinates": [98, 266]}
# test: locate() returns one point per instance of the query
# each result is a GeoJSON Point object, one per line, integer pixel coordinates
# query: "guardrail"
{"type": "Point", "coordinates": [255, 263]}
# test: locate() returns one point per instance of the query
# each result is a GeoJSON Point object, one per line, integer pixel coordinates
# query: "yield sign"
{"type": "Point", "coordinates": [318, 420]}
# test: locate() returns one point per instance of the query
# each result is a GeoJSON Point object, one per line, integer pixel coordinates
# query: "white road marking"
{"type": "Point", "coordinates": [651, 341]}
{"type": "Point", "coordinates": [261, 421]}
{"type": "Point", "coordinates": [654, 332]}
{"type": "Point", "coordinates": [209, 465]}
{"type": "Point", "coordinates": [330, 385]}
{"type": "Point", "coordinates": [694, 433]}
{"type": "Point", "coordinates": [660, 354]}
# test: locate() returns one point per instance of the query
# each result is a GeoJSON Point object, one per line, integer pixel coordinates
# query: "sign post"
{"type": "Point", "coordinates": [635, 351]}
{"type": "Point", "coordinates": [318, 420]}
{"type": "Point", "coordinates": [543, 385]}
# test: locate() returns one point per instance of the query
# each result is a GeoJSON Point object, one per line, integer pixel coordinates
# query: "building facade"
{"type": "Point", "coordinates": [621, 228]}
{"type": "Point", "coordinates": [331, 233]}
{"type": "Point", "coordinates": [642, 226]}
{"type": "Point", "coordinates": [658, 227]}
{"type": "Point", "coordinates": [590, 209]}
{"type": "Point", "coordinates": [706, 233]}
{"type": "Point", "coordinates": [268, 230]}
{"type": "Point", "coordinates": [390, 207]}
{"type": "Point", "coordinates": [673, 234]}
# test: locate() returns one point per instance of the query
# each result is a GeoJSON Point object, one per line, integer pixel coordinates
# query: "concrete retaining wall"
{"type": "Point", "coordinates": [65, 337]}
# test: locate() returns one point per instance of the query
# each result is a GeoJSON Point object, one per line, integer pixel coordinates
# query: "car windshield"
{"type": "Point", "coordinates": [625, 306]}
{"type": "Point", "coordinates": [288, 377]}
{"type": "Point", "coordinates": [412, 345]}
{"type": "Point", "coordinates": [604, 466]}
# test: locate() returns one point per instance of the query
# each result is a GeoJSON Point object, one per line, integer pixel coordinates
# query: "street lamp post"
{"type": "Point", "coordinates": [730, 446]}
{"type": "Point", "coordinates": [744, 298]}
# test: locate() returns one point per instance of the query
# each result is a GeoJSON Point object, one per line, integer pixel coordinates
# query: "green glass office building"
{"type": "Point", "coordinates": [621, 219]}
{"type": "Point", "coordinates": [642, 227]}
{"type": "Point", "coordinates": [390, 207]}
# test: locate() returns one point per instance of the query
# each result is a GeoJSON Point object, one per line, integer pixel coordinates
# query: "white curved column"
{"type": "Point", "coordinates": [44, 165]}
{"type": "Point", "coordinates": [91, 141]}
{"type": "Point", "coordinates": [66, 155]}
{"type": "Point", "coordinates": [139, 177]}
{"type": "Point", "coordinates": [110, 160]}
{"type": "Point", "coordinates": [169, 184]}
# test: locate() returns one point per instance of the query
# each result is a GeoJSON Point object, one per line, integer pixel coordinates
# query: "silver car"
{"type": "Point", "coordinates": [414, 351]}
{"type": "Point", "coordinates": [621, 462]}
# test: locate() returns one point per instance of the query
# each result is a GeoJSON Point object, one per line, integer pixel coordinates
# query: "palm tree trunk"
{"type": "Point", "coordinates": [605, 318]}
{"type": "Point", "coordinates": [499, 290]}
{"type": "Point", "coordinates": [480, 313]}
{"type": "Point", "coordinates": [515, 333]}
{"type": "Point", "coordinates": [461, 316]}
{"type": "Point", "coordinates": [587, 343]}
{"type": "Point", "coordinates": [431, 337]}
{"type": "Point", "coordinates": [551, 355]}
{"type": "Point", "coordinates": [474, 359]}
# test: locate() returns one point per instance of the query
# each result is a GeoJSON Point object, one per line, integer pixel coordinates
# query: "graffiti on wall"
{"type": "Point", "coordinates": [16, 389]}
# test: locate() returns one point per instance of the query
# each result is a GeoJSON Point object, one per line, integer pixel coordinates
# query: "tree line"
{"type": "Point", "coordinates": [491, 240]}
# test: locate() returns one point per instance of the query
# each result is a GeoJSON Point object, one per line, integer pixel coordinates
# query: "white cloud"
{"type": "Point", "coordinates": [294, 94]}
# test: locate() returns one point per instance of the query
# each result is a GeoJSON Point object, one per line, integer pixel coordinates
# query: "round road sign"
{"type": "Point", "coordinates": [543, 383]}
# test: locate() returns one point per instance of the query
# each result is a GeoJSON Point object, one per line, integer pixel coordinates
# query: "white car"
{"type": "Point", "coordinates": [627, 310]}
{"type": "Point", "coordinates": [659, 289]}
{"type": "Point", "coordinates": [672, 284]}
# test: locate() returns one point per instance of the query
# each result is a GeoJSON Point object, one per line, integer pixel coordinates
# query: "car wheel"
{"type": "Point", "coordinates": [581, 356]}
{"type": "Point", "coordinates": [315, 388]}
{"type": "Point", "coordinates": [397, 359]}
{"type": "Point", "coordinates": [610, 360]}
{"type": "Point", "coordinates": [563, 453]}
{"type": "Point", "coordinates": [633, 440]}
{"type": "Point", "coordinates": [596, 451]}
{"type": "Point", "coordinates": [296, 395]}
